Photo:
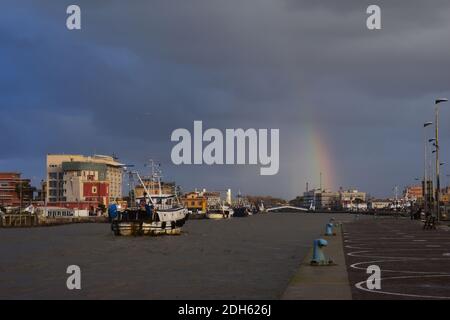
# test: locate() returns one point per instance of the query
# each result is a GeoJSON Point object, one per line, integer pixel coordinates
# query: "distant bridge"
{"type": "Point", "coordinates": [287, 207]}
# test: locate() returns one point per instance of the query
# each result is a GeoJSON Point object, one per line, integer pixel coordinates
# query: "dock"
{"type": "Point", "coordinates": [33, 220]}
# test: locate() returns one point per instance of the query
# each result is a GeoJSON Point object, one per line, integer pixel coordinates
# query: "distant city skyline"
{"type": "Point", "coordinates": [348, 102]}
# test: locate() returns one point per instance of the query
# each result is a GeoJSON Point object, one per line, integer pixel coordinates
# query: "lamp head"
{"type": "Point", "coordinates": [440, 100]}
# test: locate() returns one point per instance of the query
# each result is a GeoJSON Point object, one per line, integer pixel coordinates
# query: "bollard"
{"type": "Point", "coordinates": [329, 228]}
{"type": "Point", "coordinates": [319, 258]}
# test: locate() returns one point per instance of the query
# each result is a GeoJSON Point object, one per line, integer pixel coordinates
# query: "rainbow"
{"type": "Point", "coordinates": [319, 159]}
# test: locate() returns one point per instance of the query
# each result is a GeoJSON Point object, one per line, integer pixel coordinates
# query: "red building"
{"type": "Point", "coordinates": [96, 192]}
{"type": "Point", "coordinates": [414, 192]}
{"type": "Point", "coordinates": [14, 191]}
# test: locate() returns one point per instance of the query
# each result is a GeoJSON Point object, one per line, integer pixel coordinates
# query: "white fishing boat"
{"type": "Point", "coordinates": [155, 214]}
{"type": "Point", "coordinates": [219, 212]}
{"type": "Point", "coordinates": [261, 208]}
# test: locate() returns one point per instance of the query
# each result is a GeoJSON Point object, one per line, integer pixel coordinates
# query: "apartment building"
{"type": "Point", "coordinates": [78, 178]}
{"type": "Point", "coordinates": [14, 190]}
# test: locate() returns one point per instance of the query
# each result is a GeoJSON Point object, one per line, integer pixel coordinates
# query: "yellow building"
{"type": "Point", "coordinates": [445, 195]}
{"type": "Point", "coordinates": [194, 201]}
{"type": "Point", "coordinates": [153, 188]}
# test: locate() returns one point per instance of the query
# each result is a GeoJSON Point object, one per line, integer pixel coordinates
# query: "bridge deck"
{"type": "Point", "coordinates": [287, 207]}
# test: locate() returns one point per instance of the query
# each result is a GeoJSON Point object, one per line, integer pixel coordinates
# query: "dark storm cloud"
{"type": "Point", "coordinates": [138, 70]}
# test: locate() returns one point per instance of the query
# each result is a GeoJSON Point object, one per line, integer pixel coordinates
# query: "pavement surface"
{"type": "Point", "coordinates": [240, 258]}
{"type": "Point", "coordinates": [322, 282]}
{"type": "Point", "coordinates": [414, 263]}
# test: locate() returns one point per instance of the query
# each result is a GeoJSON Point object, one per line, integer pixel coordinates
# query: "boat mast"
{"type": "Point", "coordinates": [158, 176]}
{"type": "Point", "coordinates": [155, 176]}
{"type": "Point", "coordinates": [131, 187]}
{"type": "Point", "coordinates": [152, 176]}
{"type": "Point", "coordinates": [145, 188]}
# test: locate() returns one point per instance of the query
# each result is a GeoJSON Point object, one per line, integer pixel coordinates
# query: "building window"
{"type": "Point", "coordinates": [94, 189]}
{"type": "Point", "coordinates": [53, 175]}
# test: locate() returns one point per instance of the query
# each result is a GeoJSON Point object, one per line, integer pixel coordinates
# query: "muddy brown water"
{"type": "Point", "coordinates": [240, 258]}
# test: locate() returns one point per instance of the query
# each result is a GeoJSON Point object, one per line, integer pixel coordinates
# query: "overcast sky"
{"type": "Point", "coordinates": [140, 69]}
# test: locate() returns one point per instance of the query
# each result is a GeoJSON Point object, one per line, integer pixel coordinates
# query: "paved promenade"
{"type": "Point", "coordinates": [415, 263]}
{"type": "Point", "coordinates": [322, 282]}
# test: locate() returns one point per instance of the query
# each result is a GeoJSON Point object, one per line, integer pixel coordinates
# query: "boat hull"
{"type": "Point", "coordinates": [216, 216]}
{"type": "Point", "coordinates": [197, 216]}
{"type": "Point", "coordinates": [240, 212]}
{"type": "Point", "coordinates": [171, 224]}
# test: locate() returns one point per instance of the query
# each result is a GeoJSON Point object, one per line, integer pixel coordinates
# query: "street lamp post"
{"type": "Point", "coordinates": [425, 177]}
{"type": "Point", "coordinates": [436, 126]}
{"type": "Point", "coordinates": [432, 174]}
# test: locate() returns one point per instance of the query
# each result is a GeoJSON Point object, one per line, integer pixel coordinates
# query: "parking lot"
{"type": "Point", "coordinates": [414, 263]}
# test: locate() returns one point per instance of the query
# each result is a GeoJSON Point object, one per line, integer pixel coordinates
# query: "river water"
{"type": "Point", "coordinates": [240, 258]}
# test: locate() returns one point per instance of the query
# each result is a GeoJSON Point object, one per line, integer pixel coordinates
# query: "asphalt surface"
{"type": "Point", "coordinates": [240, 258]}
{"type": "Point", "coordinates": [414, 263]}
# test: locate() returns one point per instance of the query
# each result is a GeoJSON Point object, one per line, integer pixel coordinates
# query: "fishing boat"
{"type": "Point", "coordinates": [261, 207]}
{"type": "Point", "coordinates": [155, 214]}
{"type": "Point", "coordinates": [241, 208]}
{"type": "Point", "coordinates": [240, 211]}
{"type": "Point", "coordinates": [219, 212]}
{"type": "Point", "coordinates": [198, 215]}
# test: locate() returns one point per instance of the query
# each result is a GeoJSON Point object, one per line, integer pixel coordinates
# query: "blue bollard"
{"type": "Point", "coordinates": [329, 229]}
{"type": "Point", "coordinates": [318, 255]}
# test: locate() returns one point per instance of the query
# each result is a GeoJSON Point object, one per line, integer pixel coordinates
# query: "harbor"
{"type": "Point", "coordinates": [251, 258]}
{"type": "Point", "coordinates": [217, 152]}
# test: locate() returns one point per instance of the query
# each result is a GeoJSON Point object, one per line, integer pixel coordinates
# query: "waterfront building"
{"type": "Point", "coordinates": [194, 201]}
{"type": "Point", "coordinates": [153, 187]}
{"type": "Point", "coordinates": [62, 212]}
{"type": "Point", "coordinates": [379, 204]}
{"type": "Point", "coordinates": [212, 197]}
{"type": "Point", "coordinates": [40, 195]}
{"type": "Point", "coordinates": [351, 195]}
{"type": "Point", "coordinates": [414, 193]}
{"type": "Point", "coordinates": [352, 200]}
{"type": "Point", "coordinates": [79, 179]}
{"type": "Point", "coordinates": [14, 190]}
{"type": "Point", "coordinates": [320, 199]}
{"type": "Point", "coordinates": [445, 195]}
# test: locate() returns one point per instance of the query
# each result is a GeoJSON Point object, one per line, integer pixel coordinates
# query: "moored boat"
{"type": "Point", "coordinates": [240, 211]}
{"type": "Point", "coordinates": [196, 215]}
{"type": "Point", "coordinates": [241, 207]}
{"type": "Point", "coordinates": [155, 215]}
{"type": "Point", "coordinates": [219, 212]}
